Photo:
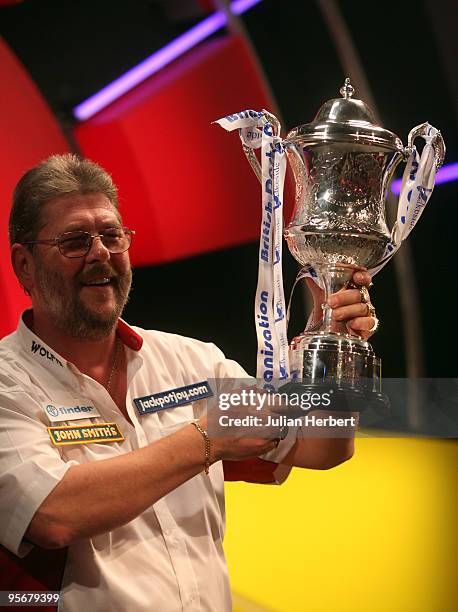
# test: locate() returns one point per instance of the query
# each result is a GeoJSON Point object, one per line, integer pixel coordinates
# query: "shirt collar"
{"type": "Point", "coordinates": [38, 350]}
{"type": "Point", "coordinates": [129, 336]}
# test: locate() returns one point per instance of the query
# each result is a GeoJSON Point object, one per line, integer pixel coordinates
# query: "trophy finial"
{"type": "Point", "coordinates": [347, 90]}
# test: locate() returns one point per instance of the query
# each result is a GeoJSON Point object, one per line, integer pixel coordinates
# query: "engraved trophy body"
{"type": "Point", "coordinates": [342, 164]}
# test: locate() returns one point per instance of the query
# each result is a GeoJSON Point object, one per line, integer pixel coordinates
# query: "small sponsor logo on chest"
{"type": "Point", "coordinates": [37, 349]}
{"type": "Point", "coordinates": [69, 413]}
{"type": "Point", "coordinates": [173, 398]}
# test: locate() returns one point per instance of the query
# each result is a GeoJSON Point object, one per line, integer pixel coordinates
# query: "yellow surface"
{"type": "Point", "coordinates": [378, 533]}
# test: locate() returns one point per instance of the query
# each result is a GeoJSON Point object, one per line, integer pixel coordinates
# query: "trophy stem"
{"type": "Point", "coordinates": [333, 278]}
{"type": "Point", "coordinates": [330, 355]}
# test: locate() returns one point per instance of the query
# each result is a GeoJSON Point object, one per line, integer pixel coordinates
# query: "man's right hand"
{"type": "Point", "coordinates": [243, 431]}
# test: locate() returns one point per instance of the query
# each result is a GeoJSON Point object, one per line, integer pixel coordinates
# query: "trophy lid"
{"type": "Point", "coordinates": [344, 120]}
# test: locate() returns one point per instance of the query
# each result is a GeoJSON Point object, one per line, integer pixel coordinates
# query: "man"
{"type": "Point", "coordinates": [142, 521]}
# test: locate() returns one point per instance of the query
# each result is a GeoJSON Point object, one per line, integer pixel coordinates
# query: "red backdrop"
{"type": "Point", "coordinates": [29, 133]}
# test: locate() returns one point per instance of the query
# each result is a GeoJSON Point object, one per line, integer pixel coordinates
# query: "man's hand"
{"type": "Point", "coordinates": [347, 305]}
{"type": "Point", "coordinates": [243, 429]}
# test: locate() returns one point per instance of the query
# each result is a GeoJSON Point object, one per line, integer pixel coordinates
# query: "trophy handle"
{"type": "Point", "coordinates": [254, 163]}
{"type": "Point", "coordinates": [437, 142]}
{"type": "Point", "coordinates": [438, 145]}
{"type": "Point", "coordinates": [249, 152]}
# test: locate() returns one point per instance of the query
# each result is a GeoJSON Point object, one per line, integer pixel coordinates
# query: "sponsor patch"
{"type": "Point", "coordinates": [56, 413]}
{"type": "Point", "coordinates": [42, 351]}
{"type": "Point", "coordinates": [102, 433]}
{"type": "Point", "coordinates": [173, 398]}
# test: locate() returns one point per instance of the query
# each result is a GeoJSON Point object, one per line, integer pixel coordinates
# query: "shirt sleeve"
{"type": "Point", "coordinates": [30, 467]}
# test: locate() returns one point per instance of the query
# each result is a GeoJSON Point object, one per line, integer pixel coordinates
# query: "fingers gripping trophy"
{"type": "Point", "coordinates": [342, 163]}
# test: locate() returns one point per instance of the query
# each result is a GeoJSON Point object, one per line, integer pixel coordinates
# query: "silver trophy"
{"type": "Point", "coordinates": [342, 164]}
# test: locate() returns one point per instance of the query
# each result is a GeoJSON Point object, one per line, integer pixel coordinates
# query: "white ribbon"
{"type": "Point", "coordinates": [270, 309]}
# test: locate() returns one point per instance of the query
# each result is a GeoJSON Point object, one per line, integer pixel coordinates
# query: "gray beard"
{"type": "Point", "coordinates": [71, 316]}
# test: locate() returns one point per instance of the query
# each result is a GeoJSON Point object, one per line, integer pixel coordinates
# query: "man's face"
{"type": "Point", "coordinates": [66, 290]}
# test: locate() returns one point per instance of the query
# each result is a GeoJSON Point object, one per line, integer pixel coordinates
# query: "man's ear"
{"type": "Point", "coordinates": [23, 265]}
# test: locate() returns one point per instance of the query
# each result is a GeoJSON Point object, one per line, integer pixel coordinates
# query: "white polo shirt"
{"type": "Point", "coordinates": [170, 558]}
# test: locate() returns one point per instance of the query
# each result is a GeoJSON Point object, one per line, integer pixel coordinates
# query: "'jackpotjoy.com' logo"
{"type": "Point", "coordinates": [173, 397]}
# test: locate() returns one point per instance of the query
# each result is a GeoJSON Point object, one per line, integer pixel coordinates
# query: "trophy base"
{"type": "Point", "coordinates": [345, 363]}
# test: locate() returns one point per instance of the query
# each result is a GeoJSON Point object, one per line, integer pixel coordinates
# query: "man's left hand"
{"type": "Point", "coordinates": [347, 305]}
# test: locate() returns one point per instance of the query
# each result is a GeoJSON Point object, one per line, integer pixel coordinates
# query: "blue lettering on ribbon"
{"type": "Point", "coordinates": [248, 114]}
{"type": "Point", "coordinates": [421, 203]}
{"type": "Point", "coordinates": [267, 223]}
{"type": "Point", "coordinates": [308, 268]}
{"type": "Point", "coordinates": [265, 251]}
{"type": "Point", "coordinates": [267, 349]}
{"type": "Point", "coordinates": [252, 135]}
{"type": "Point", "coordinates": [423, 193]}
{"type": "Point", "coordinates": [268, 129]}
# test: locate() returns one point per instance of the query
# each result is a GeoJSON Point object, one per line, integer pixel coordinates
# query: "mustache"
{"type": "Point", "coordinates": [97, 271]}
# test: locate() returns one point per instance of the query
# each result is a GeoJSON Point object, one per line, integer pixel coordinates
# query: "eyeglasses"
{"type": "Point", "coordinates": [79, 243]}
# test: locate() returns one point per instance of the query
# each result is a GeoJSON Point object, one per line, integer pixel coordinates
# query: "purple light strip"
{"type": "Point", "coordinates": [445, 175]}
{"type": "Point", "coordinates": [157, 60]}
{"type": "Point", "coordinates": [240, 6]}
